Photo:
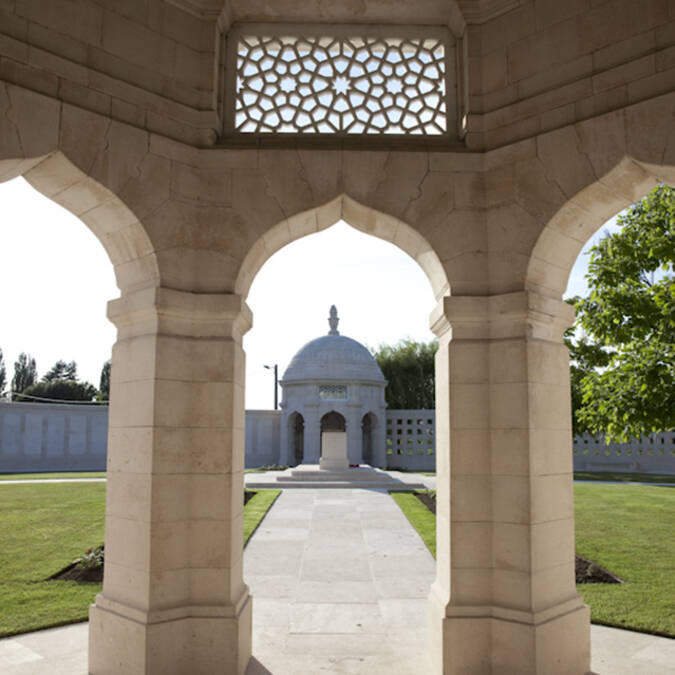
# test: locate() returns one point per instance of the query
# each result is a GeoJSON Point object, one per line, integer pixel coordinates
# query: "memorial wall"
{"type": "Point", "coordinates": [40, 437]}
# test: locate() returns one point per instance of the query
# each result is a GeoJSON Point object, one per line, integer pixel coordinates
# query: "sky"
{"type": "Point", "coordinates": [55, 281]}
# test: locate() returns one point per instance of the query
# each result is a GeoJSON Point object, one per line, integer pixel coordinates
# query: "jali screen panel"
{"type": "Point", "coordinates": [340, 84]}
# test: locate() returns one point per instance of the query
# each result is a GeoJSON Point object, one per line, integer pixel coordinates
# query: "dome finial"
{"type": "Point", "coordinates": [333, 321]}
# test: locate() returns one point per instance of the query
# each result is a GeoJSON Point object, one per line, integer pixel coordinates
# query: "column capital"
{"type": "Point", "coordinates": [520, 314]}
{"type": "Point", "coordinates": [173, 312]}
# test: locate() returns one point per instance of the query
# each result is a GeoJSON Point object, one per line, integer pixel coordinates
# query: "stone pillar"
{"type": "Point", "coordinates": [354, 433]}
{"type": "Point", "coordinates": [504, 599]}
{"type": "Point", "coordinates": [312, 440]}
{"type": "Point", "coordinates": [284, 434]}
{"type": "Point", "coordinates": [174, 600]}
{"type": "Point", "coordinates": [380, 441]}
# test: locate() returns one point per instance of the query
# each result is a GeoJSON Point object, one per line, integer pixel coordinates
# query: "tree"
{"type": "Point", "coordinates": [585, 358]}
{"type": "Point", "coordinates": [104, 382]}
{"type": "Point", "coordinates": [625, 360]}
{"type": "Point", "coordinates": [61, 390]}
{"type": "Point", "coordinates": [25, 373]}
{"type": "Point", "coordinates": [409, 369]}
{"type": "Point", "coordinates": [62, 371]}
{"type": "Point", "coordinates": [3, 375]}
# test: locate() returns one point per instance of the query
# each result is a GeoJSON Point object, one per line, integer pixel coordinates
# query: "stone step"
{"type": "Point", "coordinates": [334, 475]}
{"type": "Point", "coordinates": [310, 476]}
{"type": "Point", "coordinates": [345, 485]}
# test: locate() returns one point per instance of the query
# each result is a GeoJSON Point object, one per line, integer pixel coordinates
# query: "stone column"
{"type": "Point", "coordinates": [354, 433]}
{"type": "Point", "coordinates": [312, 440]}
{"type": "Point", "coordinates": [284, 433]}
{"type": "Point", "coordinates": [504, 599]}
{"type": "Point", "coordinates": [380, 441]}
{"type": "Point", "coordinates": [174, 600]}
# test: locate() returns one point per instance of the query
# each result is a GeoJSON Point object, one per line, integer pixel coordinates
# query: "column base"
{"type": "Point", "coordinates": [199, 645]}
{"type": "Point", "coordinates": [491, 640]}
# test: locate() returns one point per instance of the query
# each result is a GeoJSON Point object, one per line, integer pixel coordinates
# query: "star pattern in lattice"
{"type": "Point", "coordinates": [340, 85]}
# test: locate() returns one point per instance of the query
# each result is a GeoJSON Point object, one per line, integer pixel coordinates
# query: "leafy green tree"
{"type": "Point", "coordinates": [409, 369]}
{"type": "Point", "coordinates": [3, 375]}
{"type": "Point", "coordinates": [626, 359]}
{"type": "Point", "coordinates": [61, 390]}
{"type": "Point", "coordinates": [25, 374]}
{"type": "Point", "coordinates": [62, 371]}
{"type": "Point", "coordinates": [104, 382]}
{"type": "Point", "coordinates": [585, 358]}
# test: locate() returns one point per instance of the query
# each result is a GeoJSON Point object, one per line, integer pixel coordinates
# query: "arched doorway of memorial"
{"type": "Point", "coordinates": [554, 273]}
{"type": "Point", "coordinates": [318, 541]}
{"type": "Point", "coordinates": [367, 426]}
{"type": "Point", "coordinates": [332, 421]}
{"type": "Point", "coordinates": [296, 437]}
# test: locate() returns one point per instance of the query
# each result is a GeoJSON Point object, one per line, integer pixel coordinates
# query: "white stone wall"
{"type": "Point", "coordinates": [52, 437]}
{"type": "Point", "coordinates": [262, 438]}
{"type": "Point", "coordinates": [37, 437]}
{"type": "Point", "coordinates": [649, 454]}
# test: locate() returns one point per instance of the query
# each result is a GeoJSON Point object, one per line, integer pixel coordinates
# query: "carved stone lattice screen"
{"type": "Point", "coordinates": [411, 439]}
{"type": "Point", "coordinates": [338, 81]}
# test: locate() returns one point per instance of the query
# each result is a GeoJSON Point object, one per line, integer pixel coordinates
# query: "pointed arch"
{"type": "Point", "coordinates": [359, 216]}
{"type": "Point", "coordinates": [567, 232]}
{"type": "Point", "coordinates": [613, 161]}
{"type": "Point", "coordinates": [117, 228]}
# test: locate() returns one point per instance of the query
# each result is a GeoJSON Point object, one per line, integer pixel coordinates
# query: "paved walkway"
{"type": "Point", "coordinates": [340, 581]}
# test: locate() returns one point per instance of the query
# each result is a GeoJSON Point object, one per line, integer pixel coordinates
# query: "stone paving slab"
{"type": "Point", "coordinates": [356, 619]}
{"type": "Point", "coordinates": [338, 621]}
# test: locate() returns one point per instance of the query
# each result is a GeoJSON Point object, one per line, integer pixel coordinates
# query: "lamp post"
{"type": "Point", "coordinates": [276, 384]}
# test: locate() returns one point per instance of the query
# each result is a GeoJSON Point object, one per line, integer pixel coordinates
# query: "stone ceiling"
{"type": "Point", "coordinates": [434, 12]}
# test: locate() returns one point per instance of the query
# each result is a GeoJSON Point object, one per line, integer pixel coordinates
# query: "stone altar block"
{"type": "Point", "coordinates": [334, 450]}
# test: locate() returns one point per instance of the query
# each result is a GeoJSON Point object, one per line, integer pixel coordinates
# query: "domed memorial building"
{"type": "Point", "coordinates": [333, 384]}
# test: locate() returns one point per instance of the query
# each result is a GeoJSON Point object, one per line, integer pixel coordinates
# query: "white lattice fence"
{"type": "Point", "coordinates": [649, 454]}
{"type": "Point", "coordinates": [411, 439]}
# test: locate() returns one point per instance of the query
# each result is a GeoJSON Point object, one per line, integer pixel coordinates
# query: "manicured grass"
{"type": "Point", "coordinates": [421, 473]}
{"type": "Point", "coordinates": [256, 509]}
{"type": "Point", "coordinates": [628, 529]}
{"type": "Point", "coordinates": [624, 477]}
{"type": "Point", "coordinates": [45, 527]}
{"type": "Point", "coordinates": [42, 529]}
{"type": "Point", "coordinates": [419, 516]}
{"type": "Point", "coordinates": [47, 476]}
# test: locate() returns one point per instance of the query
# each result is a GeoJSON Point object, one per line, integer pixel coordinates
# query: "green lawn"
{"type": "Point", "coordinates": [45, 527]}
{"type": "Point", "coordinates": [42, 529]}
{"type": "Point", "coordinates": [47, 476]}
{"type": "Point", "coordinates": [628, 529]}
{"type": "Point", "coordinates": [256, 509]}
{"type": "Point", "coordinates": [419, 516]}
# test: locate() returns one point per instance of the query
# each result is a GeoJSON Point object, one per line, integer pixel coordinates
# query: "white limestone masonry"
{"type": "Point", "coordinates": [559, 115]}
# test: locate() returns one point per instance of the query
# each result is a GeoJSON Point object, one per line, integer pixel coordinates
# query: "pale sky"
{"type": "Point", "coordinates": [56, 279]}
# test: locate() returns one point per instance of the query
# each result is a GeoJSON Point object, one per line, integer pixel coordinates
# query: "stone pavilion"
{"type": "Point", "coordinates": [488, 139]}
{"type": "Point", "coordinates": [333, 383]}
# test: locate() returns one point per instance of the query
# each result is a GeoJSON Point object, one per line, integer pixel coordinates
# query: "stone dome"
{"type": "Point", "coordinates": [333, 357]}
